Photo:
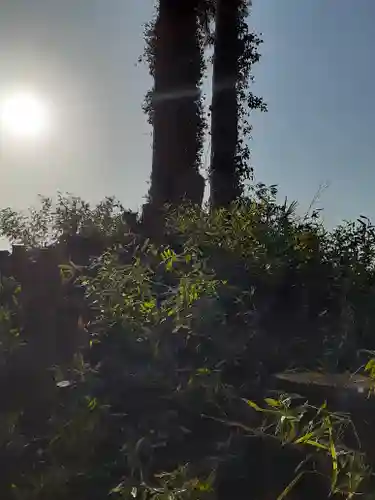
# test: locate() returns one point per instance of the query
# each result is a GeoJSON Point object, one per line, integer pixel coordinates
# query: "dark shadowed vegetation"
{"type": "Point", "coordinates": [147, 371]}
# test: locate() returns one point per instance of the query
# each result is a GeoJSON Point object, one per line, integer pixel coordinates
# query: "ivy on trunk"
{"type": "Point", "coordinates": [235, 51]}
{"type": "Point", "coordinates": [174, 51]}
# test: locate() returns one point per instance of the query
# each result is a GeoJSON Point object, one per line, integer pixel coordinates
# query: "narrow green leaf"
{"type": "Point", "coordinates": [273, 402]}
{"type": "Point", "coordinates": [254, 405]}
{"type": "Point", "coordinates": [290, 486]}
{"type": "Point", "coordinates": [317, 445]}
{"type": "Point", "coordinates": [304, 438]}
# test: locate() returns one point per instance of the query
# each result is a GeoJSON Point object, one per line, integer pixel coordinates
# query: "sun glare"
{"type": "Point", "coordinates": [24, 115]}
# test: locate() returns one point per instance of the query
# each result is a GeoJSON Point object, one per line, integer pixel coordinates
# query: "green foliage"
{"type": "Point", "coordinates": [68, 214]}
{"type": "Point", "coordinates": [315, 284]}
{"type": "Point", "coordinates": [321, 431]}
{"type": "Point", "coordinates": [183, 337]}
{"type": "Point", "coordinates": [247, 100]}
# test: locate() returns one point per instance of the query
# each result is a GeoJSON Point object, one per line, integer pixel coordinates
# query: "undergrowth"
{"type": "Point", "coordinates": [184, 337]}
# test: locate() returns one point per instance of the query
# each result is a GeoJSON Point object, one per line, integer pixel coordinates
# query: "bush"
{"type": "Point", "coordinates": [184, 337]}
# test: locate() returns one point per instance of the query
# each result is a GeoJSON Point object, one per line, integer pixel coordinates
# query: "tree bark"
{"type": "Point", "coordinates": [224, 180]}
{"type": "Point", "coordinates": [176, 105]}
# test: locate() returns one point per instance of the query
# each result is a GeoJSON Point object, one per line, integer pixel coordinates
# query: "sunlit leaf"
{"type": "Point", "coordinates": [273, 402]}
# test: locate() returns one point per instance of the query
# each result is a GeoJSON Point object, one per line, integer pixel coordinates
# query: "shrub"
{"type": "Point", "coordinates": [183, 339]}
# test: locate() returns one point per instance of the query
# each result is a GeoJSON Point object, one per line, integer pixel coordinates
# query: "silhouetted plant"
{"type": "Point", "coordinates": [183, 337]}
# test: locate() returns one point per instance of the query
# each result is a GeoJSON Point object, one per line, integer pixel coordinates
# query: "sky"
{"type": "Point", "coordinates": [80, 56]}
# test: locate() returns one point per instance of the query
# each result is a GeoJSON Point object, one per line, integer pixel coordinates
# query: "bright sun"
{"type": "Point", "coordinates": [24, 115]}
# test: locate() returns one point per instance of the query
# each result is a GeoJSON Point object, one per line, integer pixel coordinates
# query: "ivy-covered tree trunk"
{"type": "Point", "coordinates": [175, 55]}
{"type": "Point", "coordinates": [235, 50]}
{"type": "Point", "coordinates": [224, 108]}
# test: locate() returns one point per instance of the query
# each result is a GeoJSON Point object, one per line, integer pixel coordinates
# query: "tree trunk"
{"type": "Point", "coordinates": [224, 182]}
{"type": "Point", "coordinates": [176, 110]}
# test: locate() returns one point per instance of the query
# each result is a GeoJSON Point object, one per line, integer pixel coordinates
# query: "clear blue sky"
{"type": "Point", "coordinates": [316, 73]}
